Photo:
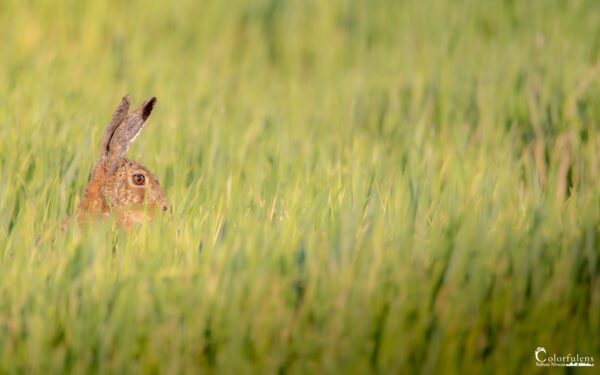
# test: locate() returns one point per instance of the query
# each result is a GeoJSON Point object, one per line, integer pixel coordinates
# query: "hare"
{"type": "Point", "coordinates": [118, 186]}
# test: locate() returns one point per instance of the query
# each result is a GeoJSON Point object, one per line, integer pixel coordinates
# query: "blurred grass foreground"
{"type": "Point", "coordinates": [355, 186]}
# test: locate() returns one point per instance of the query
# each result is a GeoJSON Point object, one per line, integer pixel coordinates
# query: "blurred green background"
{"type": "Point", "coordinates": [355, 186]}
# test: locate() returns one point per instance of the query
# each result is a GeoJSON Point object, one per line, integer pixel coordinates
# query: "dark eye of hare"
{"type": "Point", "coordinates": [138, 179]}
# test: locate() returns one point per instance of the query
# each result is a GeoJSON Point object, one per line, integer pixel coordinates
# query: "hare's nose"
{"type": "Point", "coordinates": [164, 207]}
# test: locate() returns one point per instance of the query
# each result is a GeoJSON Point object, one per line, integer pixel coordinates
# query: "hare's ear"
{"type": "Point", "coordinates": [125, 133]}
{"type": "Point", "coordinates": [118, 117]}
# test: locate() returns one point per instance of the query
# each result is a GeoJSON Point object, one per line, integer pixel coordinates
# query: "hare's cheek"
{"type": "Point", "coordinates": [140, 192]}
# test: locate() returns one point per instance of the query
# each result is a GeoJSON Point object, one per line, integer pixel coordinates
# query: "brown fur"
{"type": "Point", "coordinates": [111, 189]}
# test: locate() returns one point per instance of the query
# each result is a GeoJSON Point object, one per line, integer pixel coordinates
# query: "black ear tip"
{"type": "Point", "coordinates": [148, 108]}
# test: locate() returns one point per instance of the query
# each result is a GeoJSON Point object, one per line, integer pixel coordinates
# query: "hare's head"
{"type": "Point", "coordinates": [117, 184]}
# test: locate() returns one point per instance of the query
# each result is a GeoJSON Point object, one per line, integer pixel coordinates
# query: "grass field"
{"type": "Point", "coordinates": [355, 186]}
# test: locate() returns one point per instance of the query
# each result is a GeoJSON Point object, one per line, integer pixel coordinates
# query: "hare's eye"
{"type": "Point", "coordinates": [138, 179]}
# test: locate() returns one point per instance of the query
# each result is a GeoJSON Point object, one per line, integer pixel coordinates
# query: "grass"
{"type": "Point", "coordinates": [355, 187]}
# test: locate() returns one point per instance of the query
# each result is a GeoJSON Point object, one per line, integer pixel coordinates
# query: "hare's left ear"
{"type": "Point", "coordinates": [128, 129]}
{"type": "Point", "coordinates": [117, 118]}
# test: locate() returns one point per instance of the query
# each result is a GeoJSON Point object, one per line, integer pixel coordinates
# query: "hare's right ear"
{"type": "Point", "coordinates": [118, 117]}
